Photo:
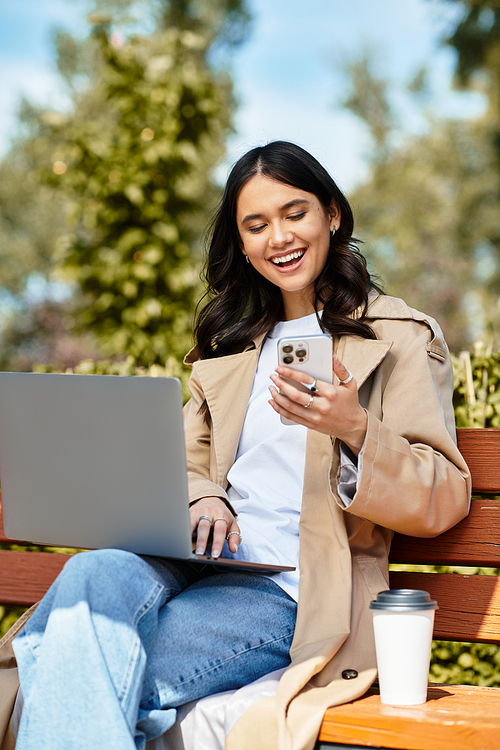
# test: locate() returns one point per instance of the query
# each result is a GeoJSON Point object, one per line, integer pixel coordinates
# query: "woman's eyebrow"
{"type": "Point", "coordinates": [251, 217]}
{"type": "Point", "coordinates": [295, 202]}
{"type": "Point", "coordinates": [290, 204]}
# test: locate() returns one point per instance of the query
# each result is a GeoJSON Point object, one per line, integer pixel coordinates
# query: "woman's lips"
{"type": "Point", "coordinates": [289, 259]}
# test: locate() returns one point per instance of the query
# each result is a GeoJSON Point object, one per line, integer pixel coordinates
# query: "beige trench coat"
{"type": "Point", "coordinates": [412, 480]}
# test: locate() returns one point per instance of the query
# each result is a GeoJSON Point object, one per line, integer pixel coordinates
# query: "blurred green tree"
{"type": "Point", "coordinates": [28, 218]}
{"type": "Point", "coordinates": [128, 170]}
{"type": "Point", "coordinates": [32, 220]}
{"type": "Point", "coordinates": [476, 38]}
{"type": "Point", "coordinates": [429, 209]}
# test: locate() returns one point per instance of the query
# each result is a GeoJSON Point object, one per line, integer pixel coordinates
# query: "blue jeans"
{"type": "Point", "coordinates": [119, 641]}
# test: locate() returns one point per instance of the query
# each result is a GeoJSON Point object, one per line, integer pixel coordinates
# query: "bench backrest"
{"type": "Point", "coordinates": [469, 606]}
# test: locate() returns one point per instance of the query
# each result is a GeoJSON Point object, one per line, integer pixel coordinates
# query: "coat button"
{"type": "Point", "coordinates": [349, 674]}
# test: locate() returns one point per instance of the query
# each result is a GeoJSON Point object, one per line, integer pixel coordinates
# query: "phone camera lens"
{"type": "Point", "coordinates": [301, 353]}
{"type": "Point", "coordinates": [287, 349]}
{"type": "Point", "coordinates": [288, 360]}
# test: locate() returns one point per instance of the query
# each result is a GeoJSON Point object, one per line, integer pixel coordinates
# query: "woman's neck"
{"type": "Point", "coordinates": [297, 306]}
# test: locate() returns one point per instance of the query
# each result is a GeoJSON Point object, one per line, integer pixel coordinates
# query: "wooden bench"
{"type": "Point", "coordinates": [457, 717]}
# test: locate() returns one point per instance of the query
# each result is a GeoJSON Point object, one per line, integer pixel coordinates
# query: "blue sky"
{"type": "Point", "coordinates": [289, 75]}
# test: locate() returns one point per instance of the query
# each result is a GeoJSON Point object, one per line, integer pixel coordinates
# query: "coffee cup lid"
{"type": "Point", "coordinates": [400, 600]}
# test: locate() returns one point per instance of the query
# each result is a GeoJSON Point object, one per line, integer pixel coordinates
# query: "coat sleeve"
{"type": "Point", "coordinates": [199, 448]}
{"type": "Point", "coordinates": [413, 478]}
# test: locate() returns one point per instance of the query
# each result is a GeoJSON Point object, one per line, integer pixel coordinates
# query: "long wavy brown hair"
{"type": "Point", "coordinates": [243, 304]}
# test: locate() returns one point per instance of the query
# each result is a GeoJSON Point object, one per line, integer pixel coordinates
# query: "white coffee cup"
{"type": "Point", "coordinates": [403, 620]}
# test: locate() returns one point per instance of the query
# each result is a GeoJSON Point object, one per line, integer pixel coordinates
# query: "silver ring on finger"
{"type": "Point", "coordinates": [220, 519]}
{"type": "Point", "coordinates": [347, 380]}
{"type": "Point", "coordinates": [313, 388]}
{"type": "Point", "coordinates": [206, 518]}
{"type": "Point", "coordinates": [310, 402]}
{"type": "Point", "coordinates": [234, 532]}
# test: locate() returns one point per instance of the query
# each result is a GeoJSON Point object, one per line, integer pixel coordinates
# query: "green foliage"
{"type": "Point", "coordinates": [8, 616]}
{"type": "Point", "coordinates": [367, 99]}
{"type": "Point", "coordinates": [136, 159]}
{"type": "Point", "coordinates": [111, 197]}
{"type": "Point", "coordinates": [476, 395]}
{"type": "Point", "coordinates": [476, 37]}
{"type": "Point", "coordinates": [31, 216]}
{"type": "Point", "coordinates": [465, 663]}
{"type": "Point", "coordinates": [476, 40]}
{"type": "Point", "coordinates": [428, 211]}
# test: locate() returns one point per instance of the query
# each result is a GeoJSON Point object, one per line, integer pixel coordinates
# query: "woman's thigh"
{"type": "Point", "coordinates": [220, 633]}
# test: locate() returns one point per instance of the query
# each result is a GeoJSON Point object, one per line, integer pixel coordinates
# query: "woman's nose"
{"type": "Point", "coordinates": [280, 236]}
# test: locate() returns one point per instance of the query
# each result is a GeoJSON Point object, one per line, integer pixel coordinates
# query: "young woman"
{"type": "Point", "coordinates": [120, 641]}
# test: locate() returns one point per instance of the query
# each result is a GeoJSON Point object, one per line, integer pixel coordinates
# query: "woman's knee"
{"type": "Point", "coordinates": [100, 561]}
{"type": "Point", "coordinates": [119, 575]}
{"type": "Point", "coordinates": [102, 571]}
{"type": "Point", "coordinates": [114, 583]}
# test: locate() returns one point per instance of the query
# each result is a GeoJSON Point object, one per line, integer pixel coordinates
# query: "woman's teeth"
{"type": "Point", "coordinates": [287, 258]}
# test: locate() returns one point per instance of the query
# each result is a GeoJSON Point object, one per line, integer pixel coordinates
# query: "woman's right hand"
{"type": "Point", "coordinates": [222, 521]}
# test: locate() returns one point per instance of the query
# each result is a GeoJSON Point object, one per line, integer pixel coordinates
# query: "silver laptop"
{"type": "Point", "coordinates": [95, 461]}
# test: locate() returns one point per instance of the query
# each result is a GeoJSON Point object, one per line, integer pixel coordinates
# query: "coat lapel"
{"type": "Point", "coordinates": [227, 384]}
{"type": "Point", "coordinates": [362, 356]}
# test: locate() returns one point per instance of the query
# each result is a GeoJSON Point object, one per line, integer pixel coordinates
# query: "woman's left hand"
{"type": "Point", "coordinates": [333, 409]}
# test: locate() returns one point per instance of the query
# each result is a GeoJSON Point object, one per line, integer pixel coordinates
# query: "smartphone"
{"type": "Point", "coordinates": [311, 355]}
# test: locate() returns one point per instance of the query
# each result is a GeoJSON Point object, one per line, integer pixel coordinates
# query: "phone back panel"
{"type": "Point", "coordinates": [311, 355]}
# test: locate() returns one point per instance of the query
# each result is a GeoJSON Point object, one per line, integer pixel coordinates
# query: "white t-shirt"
{"type": "Point", "coordinates": [267, 477]}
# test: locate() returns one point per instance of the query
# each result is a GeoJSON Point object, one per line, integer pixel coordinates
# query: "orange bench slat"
{"type": "Point", "coordinates": [455, 716]}
{"type": "Point", "coordinates": [480, 448]}
{"type": "Point", "coordinates": [475, 541]}
{"type": "Point", "coordinates": [26, 576]}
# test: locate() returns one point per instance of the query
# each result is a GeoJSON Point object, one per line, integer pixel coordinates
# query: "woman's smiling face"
{"type": "Point", "coordinates": [285, 232]}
